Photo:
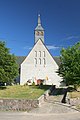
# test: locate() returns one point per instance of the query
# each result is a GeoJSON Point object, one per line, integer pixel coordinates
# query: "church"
{"type": "Point", "coordinates": [39, 66]}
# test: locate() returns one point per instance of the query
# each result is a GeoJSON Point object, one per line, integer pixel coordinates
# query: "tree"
{"type": "Point", "coordinates": [8, 65]}
{"type": "Point", "coordinates": [69, 68]}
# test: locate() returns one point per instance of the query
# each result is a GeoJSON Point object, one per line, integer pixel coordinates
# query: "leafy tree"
{"type": "Point", "coordinates": [8, 65]}
{"type": "Point", "coordinates": [69, 68]}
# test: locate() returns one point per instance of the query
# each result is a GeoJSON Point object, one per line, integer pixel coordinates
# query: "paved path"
{"type": "Point", "coordinates": [53, 105]}
{"type": "Point", "coordinates": [52, 109]}
{"type": "Point", "coordinates": [28, 116]}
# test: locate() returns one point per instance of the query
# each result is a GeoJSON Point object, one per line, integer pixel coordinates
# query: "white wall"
{"type": "Point", "coordinates": [31, 70]}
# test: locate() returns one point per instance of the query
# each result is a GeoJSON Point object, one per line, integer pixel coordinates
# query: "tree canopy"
{"type": "Point", "coordinates": [69, 68]}
{"type": "Point", "coordinates": [8, 65]}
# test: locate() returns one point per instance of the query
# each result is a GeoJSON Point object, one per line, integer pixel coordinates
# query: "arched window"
{"type": "Point", "coordinates": [43, 53]}
{"type": "Point", "coordinates": [40, 61]}
{"type": "Point", "coordinates": [35, 53]}
{"type": "Point", "coordinates": [39, 53]}
{"type": "Point", "coordinates": [35, 61]}
{"type": "Point", "coordinates": [44, 61]}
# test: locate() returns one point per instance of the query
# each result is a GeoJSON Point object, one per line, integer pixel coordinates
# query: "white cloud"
{"type": "Point", "coordinates": [27, 48]}
{"type": "Point", "coordinates": [71, 37]}
{"type": "Point", "coordinates": [52, 47]}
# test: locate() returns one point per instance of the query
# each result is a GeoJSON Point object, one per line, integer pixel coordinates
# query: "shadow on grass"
{"type": "Point", "coordinates": [3, 87]}
{"type": "Point", "coordinates": [61, 91]}
{"type": "Point", "coordinates": [71, 89]}
{"type": "Point", "coordinates": [43, 87]}
{"type": "Point", "coordinates": [53, 90]}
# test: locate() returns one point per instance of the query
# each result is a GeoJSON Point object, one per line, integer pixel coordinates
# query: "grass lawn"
{"type": "Point", "coordinates": [75, 94]}
{"type": "Point", "coordinates": [22, 92]}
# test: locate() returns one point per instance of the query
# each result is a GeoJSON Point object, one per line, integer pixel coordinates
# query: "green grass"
{"type": "Point", "coordinates": [78, 107]}
{"type": "Point", "coordinates": [74, 94]}
{"type": "Point", "coordinates": [22, 92]}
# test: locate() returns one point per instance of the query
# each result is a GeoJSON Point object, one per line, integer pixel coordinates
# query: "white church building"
{"type": "Point", "coordinates": [39, 65]}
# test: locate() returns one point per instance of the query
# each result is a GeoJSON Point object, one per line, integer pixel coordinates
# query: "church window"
{"type": "Point", "coordinates": [35, 61]}
{"type": "Point", "coordinates": [39, 53]}
{"type": "Point", "coordinates": [35, 53]}
{"type": "Point", "coordinates": [44, 61]}
{"type": "Point", "coordinates": [43, 53]}
{"type": "Point", "coordinates": [40, 61]}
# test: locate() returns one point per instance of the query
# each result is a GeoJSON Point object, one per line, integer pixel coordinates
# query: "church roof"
{"type": "Point", "coordinates": [20, 59]}
{"type": "Point", "coordinates": [57, 60]}
{"type": "Point", "coordinates": [39, 26]}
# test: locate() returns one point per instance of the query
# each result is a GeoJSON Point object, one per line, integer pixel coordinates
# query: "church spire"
{"type": "Point", "coordinates": [39, 20]}
{"type": "Point", "coordinates": [39, 26]}
{"type": "Point", "coordinates": [39, 31]}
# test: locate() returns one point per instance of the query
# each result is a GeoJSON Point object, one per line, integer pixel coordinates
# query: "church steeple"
{"type": "Point", "coordinates": [39, 20]}
{"type": "Point", "coordinates": [39, 31]}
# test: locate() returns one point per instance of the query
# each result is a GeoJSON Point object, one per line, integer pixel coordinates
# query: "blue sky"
{"type": "Point", "coordinates": [60, 19]}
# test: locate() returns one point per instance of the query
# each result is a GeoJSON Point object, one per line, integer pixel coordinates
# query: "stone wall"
{"type": "Point", "coordinates": [43, 97]}
{"type": "Point", "coordinates": [75, 101]}
{"type": "Point", "coordinates": [18, 104]}
{"type": "Point", "coordinates": [22, 104]}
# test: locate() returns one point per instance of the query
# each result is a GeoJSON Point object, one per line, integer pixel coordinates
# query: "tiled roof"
{"type": "Point", "coordinates": [20, 59]}
{"type": "Point", "coordinates": [57, 60]}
